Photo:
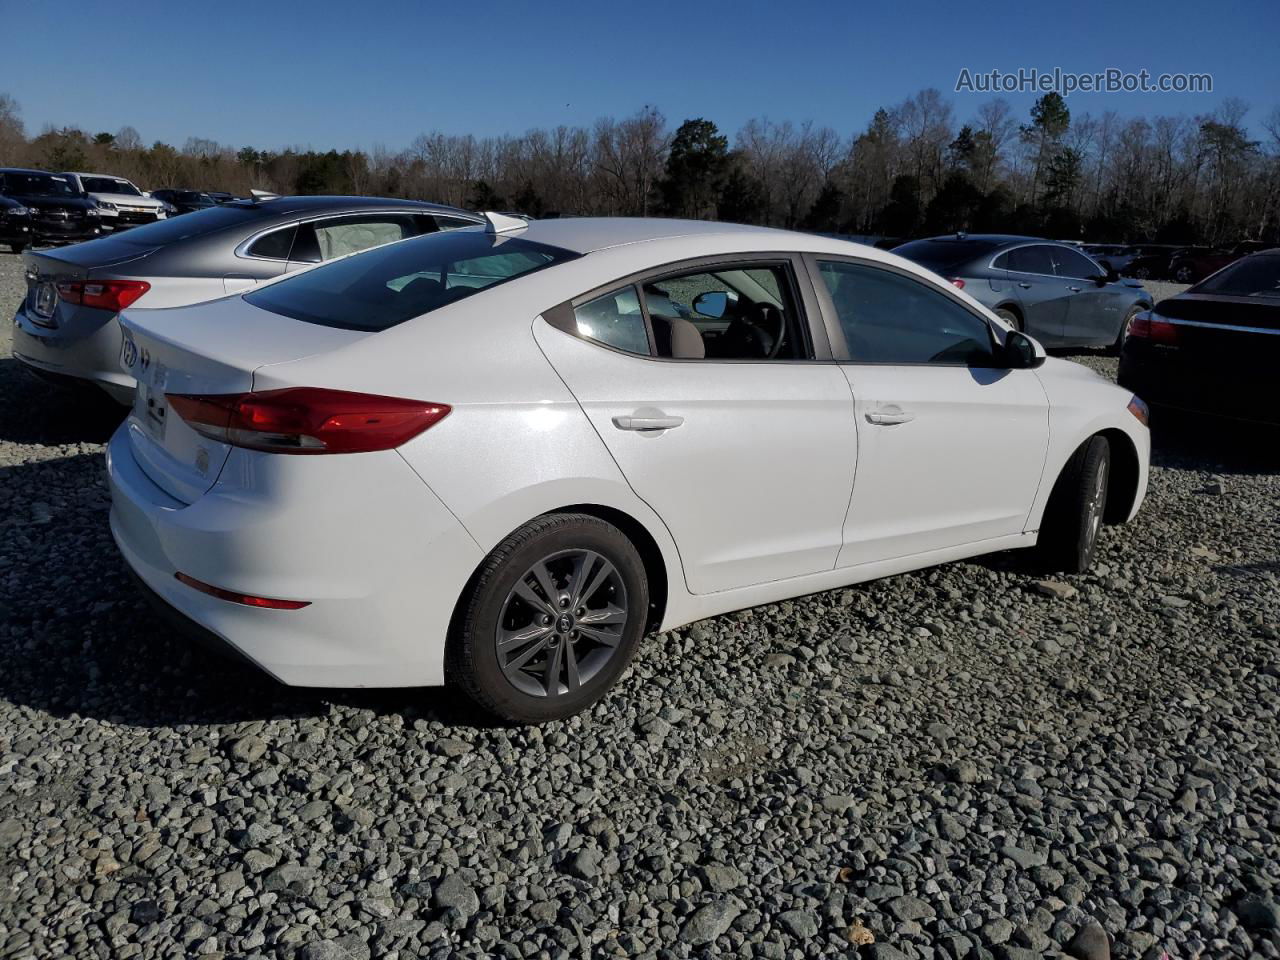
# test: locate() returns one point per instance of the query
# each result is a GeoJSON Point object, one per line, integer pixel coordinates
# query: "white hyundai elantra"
{"type": "Point", "coordinates": [497, 456]}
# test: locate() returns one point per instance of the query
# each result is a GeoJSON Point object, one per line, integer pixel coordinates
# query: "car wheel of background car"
{"type": "Point", "coordinates": [1183, 273]}
{"type": "Point", "coordinates": [1073, 516]}
{"type": "Point", "coordinates": [17, 247]}
{"type": "Point", "coordinates": [552, 618]}
{"type": "Point", "coordinates": [1142, 273]}
{"type": "Point", "coordinates": [1009, 317]}
{"type": "Point", "coordinates": [1124, 326]}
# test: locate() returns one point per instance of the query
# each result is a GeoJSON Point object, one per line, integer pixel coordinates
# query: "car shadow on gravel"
{"type": "Point", "coordinates": [77, 638]}
{"type": "Point", "coordinates": [37, 411]}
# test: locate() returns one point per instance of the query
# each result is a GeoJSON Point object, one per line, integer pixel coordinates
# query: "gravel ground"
{"type": "Point", "coordinates": [953, 763]}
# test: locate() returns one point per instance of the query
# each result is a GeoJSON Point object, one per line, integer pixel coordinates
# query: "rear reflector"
{"type": "Point", "coordinates": [307, 419]}
{"type": "Point", "coordinates": [246, 599]}
{"type": "Point", "coordinates": [113, 295]}
{"type": "Point", "coordinates": [1151, 326]}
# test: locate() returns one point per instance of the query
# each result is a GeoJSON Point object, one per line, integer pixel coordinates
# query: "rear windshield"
{"type": "Point", "coordinates": [942, 256]}
{"type": "Point", "coordinates": [1257, 276]}
{"type": "Point", "coordinates": [108, 185]}
{"type": "Point", "coordinates": [190, 225]}
{"type": "Point", "coordinates": [395, 283]}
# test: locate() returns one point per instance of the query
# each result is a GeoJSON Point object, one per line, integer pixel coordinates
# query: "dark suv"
{"type": "Point", "coordinates": [56, 212]}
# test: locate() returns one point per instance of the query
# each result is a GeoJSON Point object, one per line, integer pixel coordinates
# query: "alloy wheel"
{"type": "Point", "coordinates": [1096, 501]}
{"type": "Point", "coordinates": [561, 623]}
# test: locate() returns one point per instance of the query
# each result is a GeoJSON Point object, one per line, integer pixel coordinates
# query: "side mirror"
{"type": "Point", "coordinates": [1021, 352]}
{"type": "Point", "coordinates": [712, 304]}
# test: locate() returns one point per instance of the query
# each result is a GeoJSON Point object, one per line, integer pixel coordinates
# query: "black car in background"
{"type": "Point", "coordinates": [1213, 349]}
{"type": "Point", "coordinates": [56, 212]}
{"type": "Point", "coordinates": [1150, 261]}
{"type": "Point", "coordinates": [185, 201]}
{"type": "Point", "coordinates": [15, 224]}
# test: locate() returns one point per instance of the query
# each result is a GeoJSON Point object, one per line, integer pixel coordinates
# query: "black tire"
{"type": "Point", "coordinates": [1009, 317]}
{"type": "Point", "coordinates": [1114, 349]}
{"type": "Point", "coordinates": [1142, 273]}
{"type": "Point", "coordinates": [556, 544]}
{"type": "Point", "coordinates": [1183, 273]}
{"type": "Point", "coordinates": [1077, 505]}
{"type": "Point", "coordinates": [17, 248]}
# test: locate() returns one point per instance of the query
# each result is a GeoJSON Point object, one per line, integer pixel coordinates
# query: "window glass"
{"type": "Point", "coordinates": [274, 245]}
{"type": "Point", "coordinates": [341, 236]}
{"type": "Point", "coordinates": [108, 185]}
{"type": "Point", "coordinates": [1257, 276]}
{"type": "Point", "coordinates": [890, 318]}
{"type": "Point", "coordinates": [387, 286]}
{"type": "Point", "coordinates": [452, 223]}
{"type": "Point", "coordinates": [614, 319]}
{"type": "Point", "coordinates": [1036, 259]}
{"type": "Point", "coordinates": [197, 224]}
{"type": "Point", "coordinates": [945, 254]}
{"type": "Point", "coordinates": [1074, 265]}
{"type": "Point", "coordinates": [726, 313]}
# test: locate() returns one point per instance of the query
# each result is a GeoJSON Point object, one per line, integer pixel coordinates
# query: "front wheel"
{"type": "Point", "coordinates": [1184, 273]}
{"type": "Point", "coordinates": [1124, 329]}
{"type": "Point", "coordinates": [1073, 516]}
{"type": "Point", "coordinates": [17, 247]}
{"type": "Point", "coordinates": [1009, 317]}
{"type": "Point", "coordinates": [552, 619]}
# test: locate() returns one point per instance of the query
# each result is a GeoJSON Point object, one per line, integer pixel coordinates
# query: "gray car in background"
{"type": "Point", "coordinates": [1050, 290]}
{"type": "Point", "coordinates": [65, 328]}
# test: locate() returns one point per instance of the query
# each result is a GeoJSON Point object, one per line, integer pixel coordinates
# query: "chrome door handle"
{"type": "Point", "coordinates": [647, 423]}
{"type": "Point", "coordinates": [1024, 286]}
{"type": "Point", "coordinates": [888, 419]}
{"type": "Point", "coordinates": [1073, 289]}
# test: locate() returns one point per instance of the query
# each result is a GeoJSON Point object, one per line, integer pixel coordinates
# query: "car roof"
{"type": "Point", "coordinates": [109, 176]}
{"type": "Point", "coordinates": [589, 234]}
{"type": "Point", "coordinates": [28, 170]}
{"type": "Point", "coordinates": [998, 239]}
{"type": "Point", "coordinates": [311, 204]}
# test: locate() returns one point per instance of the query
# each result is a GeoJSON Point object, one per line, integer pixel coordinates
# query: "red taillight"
{"type": "Point", "coordinates": [247, 599]}
{"type": "Point", "coordinates": [958, 282]}
{"type": "Point", "coordinates": [1153, 327]}
{"type": "Point", "coordinates": [308, 419]}
{"type": "Point", "coordinates": [113, 295]}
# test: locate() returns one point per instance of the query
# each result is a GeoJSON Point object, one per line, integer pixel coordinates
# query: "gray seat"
{"type": "Point", "coordinates": [678, 338]}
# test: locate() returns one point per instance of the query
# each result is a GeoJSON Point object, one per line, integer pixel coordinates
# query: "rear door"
{"type": "Point", "coordinates": [748, 455]}
{"type": "Point", "coordinates": [950, 446]}
{"type": "Point", "coordinates": [1040, 291]}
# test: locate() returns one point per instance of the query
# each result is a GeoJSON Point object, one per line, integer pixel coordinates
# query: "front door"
{"type": "Point", "coordinates": [950, 445]}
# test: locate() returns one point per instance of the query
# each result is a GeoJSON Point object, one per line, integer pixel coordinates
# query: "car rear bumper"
{"type": "Point", "coordinates": [88, 348]}
{"type": "Point", "coordinates": [1190, 380]}
{"type": "Point", "coordinates": [379, 559]}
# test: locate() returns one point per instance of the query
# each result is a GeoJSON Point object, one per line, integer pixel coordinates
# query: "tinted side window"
{"type": "Point", "coordinates": [614, 319]}
{"type": "Point", "coordinates": [1035, 259]}
{"type": "Point", "coordinates": [890, 318]}
{"type": "Point", "coordinates": [1002, 262]}
{"type": "Point", "coordinates": [452, 223]}
{"type": "Point", "coordinates": [274, 245]}
{"type": "Point", "coordinates": [339, 236]}
{"type": "Point", "coordinates": [1074, 265]}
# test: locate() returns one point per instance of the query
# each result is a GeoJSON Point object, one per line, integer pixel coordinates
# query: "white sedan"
{"type": "Point", "coordinates": [498, 456]}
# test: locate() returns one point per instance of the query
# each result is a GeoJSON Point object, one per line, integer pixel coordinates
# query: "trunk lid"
{"type": "Point", "coordinates": [45, 269]}
{"type": "Point", "coordinates": [209, 348]}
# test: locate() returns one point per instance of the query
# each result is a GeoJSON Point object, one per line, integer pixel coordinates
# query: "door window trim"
{"type": "Point", "coordinates": [991, 265]}
{"type": "Point", "coordinates": [242, 248]}
{"type": "Point", "coordinates": [811, 323]}
{"type": "Point", "coordinates": [835, 332]}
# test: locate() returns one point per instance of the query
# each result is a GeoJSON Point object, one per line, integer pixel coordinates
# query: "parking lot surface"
{"type": "Point", "coordinates": [976, 760]}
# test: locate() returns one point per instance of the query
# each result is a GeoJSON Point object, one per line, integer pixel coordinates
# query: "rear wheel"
{"type": "Point", "coordinates": [1073, 516]}
{"type": "Point", "coordinates": [1183, 273]}
{"type": "Point", "coordinates": [17, 247]}
{"type": "Point", "coordinates": [1142, 273]}
{"type": "Point", "coordinates": [1009, 317]}
{"type": "Point", "coordinates": [1124, 327]}
{"type": "Point", "coordinates": [552, 619]}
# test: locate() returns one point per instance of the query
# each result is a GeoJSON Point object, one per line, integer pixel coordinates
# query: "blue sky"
{"type": "Point", "coordinates": [341, 74]}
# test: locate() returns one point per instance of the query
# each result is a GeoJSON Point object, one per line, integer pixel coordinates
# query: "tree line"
{"type": "Point", "coordinates": [915, 169]}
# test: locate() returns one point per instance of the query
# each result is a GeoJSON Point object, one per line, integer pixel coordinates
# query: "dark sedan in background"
{"type": "Point", "coordinates": [66, 326]}
{"type": "Point", "coordinates": [56, 212]}
{"type": "Point", "coordinates": [1214, 349]}
{"type": "Point", "coordinates": [1050, 290]}
{"type": "Point", "coordinates": [185, 201]}
{"type": "Point", "coordinates": [1195, 263]}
